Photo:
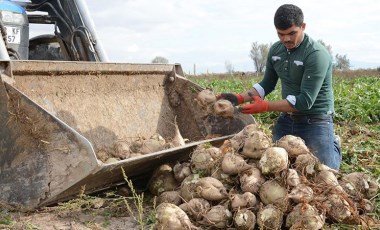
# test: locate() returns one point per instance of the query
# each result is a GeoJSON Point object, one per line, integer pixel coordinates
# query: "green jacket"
{"type": "Point", "coordinates": [305, 72]}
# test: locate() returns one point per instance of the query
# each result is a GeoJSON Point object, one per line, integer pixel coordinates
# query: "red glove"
{"type": "Point", "coordinates": [258, 105]}
{"type": "Point", "coordinates": [234, 98]}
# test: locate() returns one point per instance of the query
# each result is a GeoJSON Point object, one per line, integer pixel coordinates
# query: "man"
{"type": "Point", "coordinates": [305, 70]}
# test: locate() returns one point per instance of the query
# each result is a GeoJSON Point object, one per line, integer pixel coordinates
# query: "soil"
{"type": "Point", "coordinates": [89, 212]}
{"type": "Point", "coordinates": [112, 209]}
{"type": "Point", "coordinates": [55, 220]}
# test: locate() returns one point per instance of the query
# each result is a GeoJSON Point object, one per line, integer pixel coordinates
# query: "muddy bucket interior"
{"type": "Point", "coordinates": [61, 122]}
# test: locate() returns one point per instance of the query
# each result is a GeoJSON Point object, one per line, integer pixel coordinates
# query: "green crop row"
{"type": "Point", "coordinates": [357, 99]}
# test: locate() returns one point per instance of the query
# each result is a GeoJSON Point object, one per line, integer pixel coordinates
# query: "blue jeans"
{"type": "Point", "coordinates": [316, 130]}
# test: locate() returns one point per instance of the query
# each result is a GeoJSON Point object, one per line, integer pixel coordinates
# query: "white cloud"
{"type": "Point", "coordinates": [133, 48]}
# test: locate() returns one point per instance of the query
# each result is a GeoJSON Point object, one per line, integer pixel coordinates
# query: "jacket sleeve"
{"type": "Point", "coordinates": [316, 66]}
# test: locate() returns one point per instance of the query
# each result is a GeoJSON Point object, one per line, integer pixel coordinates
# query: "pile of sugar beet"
{"type": "Point", "coordinates": [249, 182]}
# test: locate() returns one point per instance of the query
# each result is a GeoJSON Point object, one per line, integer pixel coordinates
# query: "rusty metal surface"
{"type": "Point", "coordinates": [55, 117]}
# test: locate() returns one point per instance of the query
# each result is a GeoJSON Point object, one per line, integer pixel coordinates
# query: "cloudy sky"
{"type": "Point", "coordinates": [208, 33]}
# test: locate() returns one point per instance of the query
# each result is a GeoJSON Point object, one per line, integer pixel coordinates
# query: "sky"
{"type": "Point", "coordinates": [208, 33]}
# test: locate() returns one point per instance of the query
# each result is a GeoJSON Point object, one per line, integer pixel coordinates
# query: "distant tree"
{"type": "Point", "coordinates": [160, 60]}
{"type": "Point", "coordinates": [259, 55]}
{"type": "Point", "coordinates": [341, 62]}
{"type": "Point", "coordinates": [229, 67]}
{"type": "Point", "coordinates": [328, 47]}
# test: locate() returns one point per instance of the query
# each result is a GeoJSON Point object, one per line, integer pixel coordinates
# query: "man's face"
{"type": "Point", "coordinates": [292, 36]}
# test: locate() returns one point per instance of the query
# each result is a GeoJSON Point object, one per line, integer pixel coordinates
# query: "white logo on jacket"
{"type": "Point", "coordinates": [298, 63]}
{"type": "Point", "coordinates": [276, 58]}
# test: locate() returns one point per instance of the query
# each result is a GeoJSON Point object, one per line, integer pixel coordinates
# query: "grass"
{"type": "Point", "coordinates": [142, 215]}
{"type": "Point", "coordinates": [5, 217]}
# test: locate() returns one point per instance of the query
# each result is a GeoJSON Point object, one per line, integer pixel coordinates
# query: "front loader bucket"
{"type": "Point", "coordinates": [56, 116]}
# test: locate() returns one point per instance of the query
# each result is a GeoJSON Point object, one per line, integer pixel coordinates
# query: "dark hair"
{"type": "Point", "coordinates": [288, 15]}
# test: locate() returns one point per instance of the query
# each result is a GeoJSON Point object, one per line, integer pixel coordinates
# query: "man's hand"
{"type": "Point", "coordinates": [258, 105]}
{"type": "Point", "coordinates": [234, 98]}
